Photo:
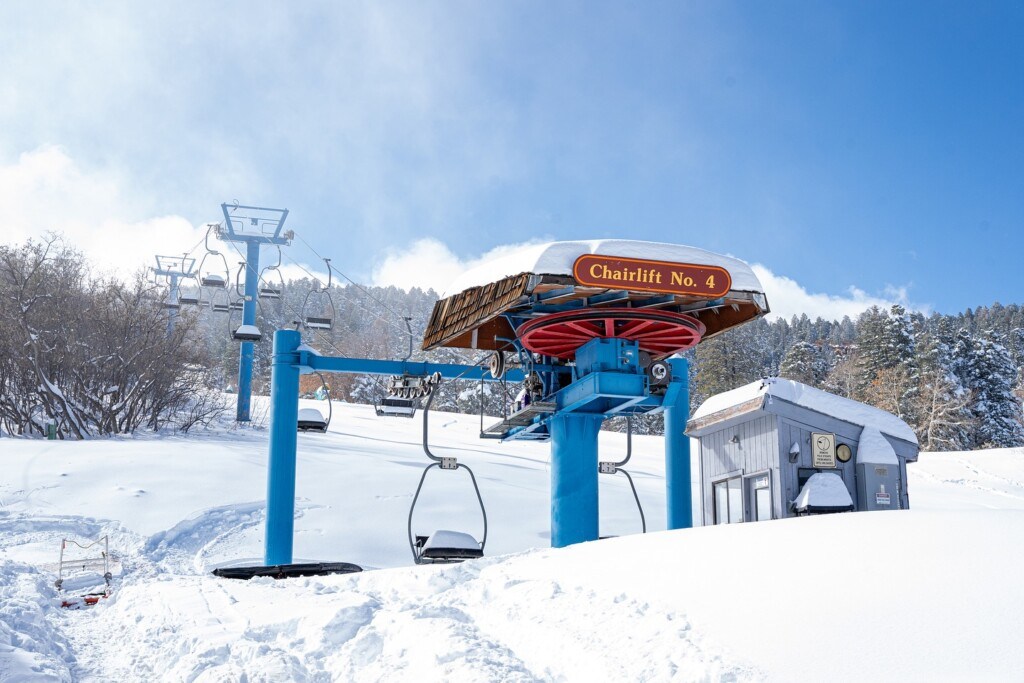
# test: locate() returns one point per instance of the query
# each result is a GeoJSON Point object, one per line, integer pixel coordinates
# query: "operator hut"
{"type": "Point", "coordinates": [777, 448]}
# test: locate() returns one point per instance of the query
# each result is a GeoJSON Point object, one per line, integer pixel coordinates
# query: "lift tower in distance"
{"type": "Point", "coordinates": [255, 226]}
{"type": "Point", "coordinates": [174, 268]}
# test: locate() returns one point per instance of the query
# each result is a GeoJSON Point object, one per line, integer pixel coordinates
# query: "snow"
{"type": "Point", "coordinates": [443, 538]}
{"type": "Point", "coordinates": [841, 408]}
{"type": "Point", "coordinates": [823, 490]}
{"type": "Point", "coordinates": [556, 258]}
{"type": "Point", "coordinates": [875, 449]}
{"type": "Point", "coordinates": [310, 415]}
{"type": "Point", "coordinates": [735, 602]}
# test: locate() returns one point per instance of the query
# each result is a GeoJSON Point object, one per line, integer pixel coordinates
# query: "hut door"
{"type": "Point", "coordinates": [759, 497]}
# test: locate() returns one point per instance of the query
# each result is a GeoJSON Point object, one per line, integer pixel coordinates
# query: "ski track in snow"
{"type": "Point", "coordinates": [470, 622]}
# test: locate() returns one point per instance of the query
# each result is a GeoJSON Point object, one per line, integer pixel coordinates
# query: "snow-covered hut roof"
{"type": "Point", "coordinates": [824, 492]}
{"type": "Point", "coordinates": [757, 394]}
{"type": "Point", "coordinates": [473, 312]}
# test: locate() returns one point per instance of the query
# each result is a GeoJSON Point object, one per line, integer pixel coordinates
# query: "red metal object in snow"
{"type": "Point", "coordinates": [659, 333]}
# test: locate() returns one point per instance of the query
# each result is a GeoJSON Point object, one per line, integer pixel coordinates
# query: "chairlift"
{"type": "Point", "coordinates": [394, 406]}
{"type": "Point", "coordinates": [215, 279]}
{"type": "Point", "coordinates": [220, 302]}
{"type": "Point", "coordinates": [311, 419]}
{"type": "Point", "coordinates": [325, 321]}
{"type": "Point", "coordinates": [242, 332]}
{"type": "Point", "coordinates": [245, 333]}
{"type": "Point", "coordinates": [190, 297]}
{"type": "Point", "coordinates": [272, 290]}
{"type": "Point", "coordinates": [444, 546]}
{"type": "Point", "coordinates": [616, 467]}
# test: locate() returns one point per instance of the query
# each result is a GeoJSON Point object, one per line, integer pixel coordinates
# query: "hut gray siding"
{"type": "Point", "coordinates": [790, 432]}
{"type": "Point", "coordinates": [755, 451]}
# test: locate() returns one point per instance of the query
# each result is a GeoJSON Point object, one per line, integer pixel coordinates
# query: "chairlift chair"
{"type": "Point", "coordinates": [190, 299]}
{"type": "Point", "coordinates": [325, 320]}
{"type": "Point", "coordinates": [395, 406]}
{"type": "Point", "coordinates": [241, 332]}
{"type": "Point", "coordinates": [444, 546]}
{"type": "Point", "coordinates": [219, 300]}
{"type": "Point", "coordinates": [213, 279]}
{"type": "Point", "coordinates": [311, 419]}
{"type": "Point", "coordinates": [271, 290]}
{"type": "Point", "coordinates": [246, 333]}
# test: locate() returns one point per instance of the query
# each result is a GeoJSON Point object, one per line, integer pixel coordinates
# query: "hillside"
{"type": "Point", "coordinates": [916, 595]}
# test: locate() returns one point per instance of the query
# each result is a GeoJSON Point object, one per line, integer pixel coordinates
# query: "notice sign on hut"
{"type": "Point", "coordinates": [823, 449]}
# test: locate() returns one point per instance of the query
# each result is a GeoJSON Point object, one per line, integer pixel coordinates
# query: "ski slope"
{"type": "Point", "coordinates": [926, 594]}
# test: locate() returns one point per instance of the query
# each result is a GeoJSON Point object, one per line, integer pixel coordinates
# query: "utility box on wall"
{"type": "Point", "coordinates": [761, 444]}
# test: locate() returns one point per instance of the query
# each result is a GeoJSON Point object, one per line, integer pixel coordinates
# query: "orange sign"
{"type": "Point", "coordinates": [643, 275]}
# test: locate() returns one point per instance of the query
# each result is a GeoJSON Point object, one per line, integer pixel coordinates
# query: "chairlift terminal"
{"type": "Point", "coordinates": [587, 349]}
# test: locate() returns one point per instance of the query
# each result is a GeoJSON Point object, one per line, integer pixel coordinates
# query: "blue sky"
{"type": "Point", "coordinates": [862, 151]}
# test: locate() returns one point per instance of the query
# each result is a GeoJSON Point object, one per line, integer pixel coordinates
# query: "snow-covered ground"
{"type": "Point", "coordinates": [927, 594]}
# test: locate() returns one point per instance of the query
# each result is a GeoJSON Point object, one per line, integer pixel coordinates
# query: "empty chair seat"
{"type": "Point", "coordinates": [397, 407]}
{"type": "Point", "coordinates": [311, 420]}
{"type": "Point", "coordinates": [247, 333]}
{"type": "Point", "coordinates": [214, 280]}
{"type": "Point", "coordinates": [318, 323]}
{"type": "Point", "coordinates": [270, 293]}
{"type": "Point", "coordinates": [448, 546]}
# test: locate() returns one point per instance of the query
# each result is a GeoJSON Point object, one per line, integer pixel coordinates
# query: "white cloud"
{"type": "Point", "coordinates": [787, 298]}
{"type": "Point", "coordinates": [430, 263]}
{"type": "Point", "coordinates": [46, 191]}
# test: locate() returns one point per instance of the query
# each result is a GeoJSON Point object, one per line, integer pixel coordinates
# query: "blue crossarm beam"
{"type": "Point", "coordinates": [368, 366]}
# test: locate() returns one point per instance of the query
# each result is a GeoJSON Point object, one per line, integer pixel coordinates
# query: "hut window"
{"type": "Point", "coordinates": [728, 500]}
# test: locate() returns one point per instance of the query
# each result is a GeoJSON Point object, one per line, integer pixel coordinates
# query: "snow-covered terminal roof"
{"type": "Point", "coordinates": [533, 280]}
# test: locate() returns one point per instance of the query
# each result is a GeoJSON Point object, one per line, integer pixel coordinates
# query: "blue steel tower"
{"type": "Point", "coordinates": [254, 226]}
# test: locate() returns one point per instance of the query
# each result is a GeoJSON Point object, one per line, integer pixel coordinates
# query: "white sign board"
{"type": "Point", "coordinates": [881, 499]}
{"type": "Point", "coordinates": [823, 449]}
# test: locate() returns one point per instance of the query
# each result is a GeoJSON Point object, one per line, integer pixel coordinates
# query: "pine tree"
{"type": "Point", "coordinates": [991, 375]}
{"type": "Point", "coordinates": [942, 408]}
{"type": "Point", "coordinates": [803, 363]}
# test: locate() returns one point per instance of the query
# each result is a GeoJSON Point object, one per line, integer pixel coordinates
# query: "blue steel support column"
{"type": "Point", "coordinates": [172, 313]}
{"type": "Point", "coordinates": [574, 505]}
{"type": "Point", "coordinates": [252, 276]}
{"type": "Point", "coordinates": [679, 494]}
{"type": "Point", "coordinates": [284, 415]}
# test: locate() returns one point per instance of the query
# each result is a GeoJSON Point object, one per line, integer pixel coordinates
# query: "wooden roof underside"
{"type": "Point", "coordinates": [474, 319]}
